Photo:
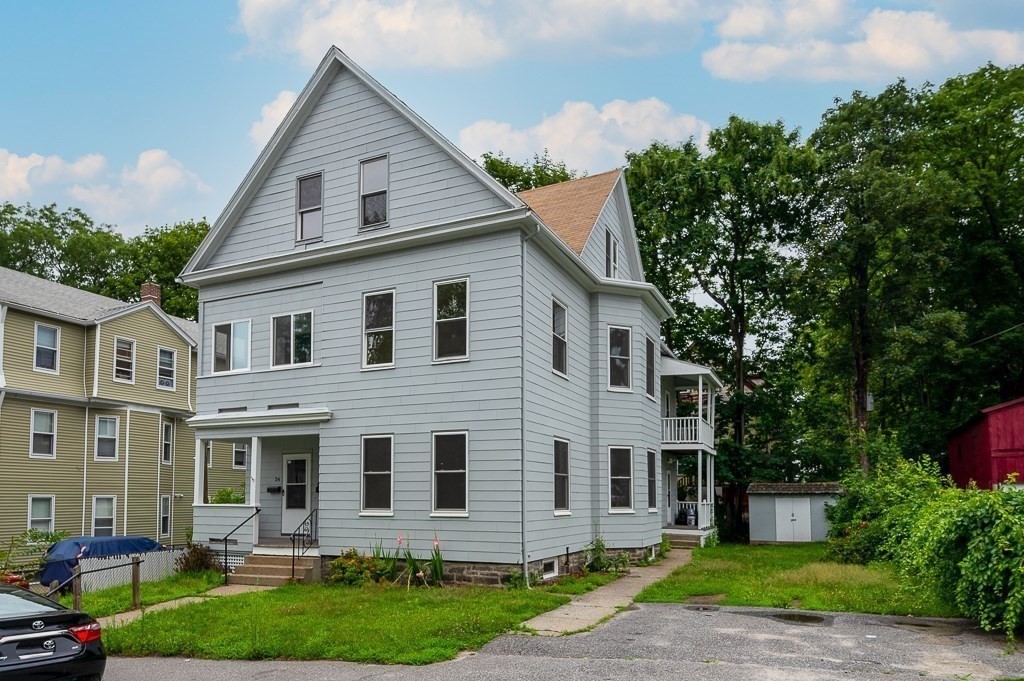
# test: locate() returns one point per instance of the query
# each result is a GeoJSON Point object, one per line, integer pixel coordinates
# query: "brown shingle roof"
{"type": "Point", "coordinates": [794, 488]}
{"type": "Point", "coordinates": [571, 208]}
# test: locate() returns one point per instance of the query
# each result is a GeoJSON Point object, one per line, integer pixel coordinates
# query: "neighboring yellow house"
{"type": "Point", "coordinates": [94, 395]}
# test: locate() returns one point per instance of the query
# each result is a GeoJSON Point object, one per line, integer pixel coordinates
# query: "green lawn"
{"type": "Point", "coordinates": [382, 624]}
{"type": "Point", "coordinates": [575, 585]}
{"type": "Point", "coordinates": [119, 598]}
{"type": "Point", "coordinates": [791, 576]}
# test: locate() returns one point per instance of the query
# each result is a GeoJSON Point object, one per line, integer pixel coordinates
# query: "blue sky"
{"type": "Point", "coordinates": [146, 113]}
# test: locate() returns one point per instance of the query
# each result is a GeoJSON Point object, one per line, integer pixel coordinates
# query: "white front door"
{"type": "Point", "coordinates": [295, 502]}
{"type": "Point", "coordinates": [670, 506]}
{"type": "Point", "coordinates": [792, 519]}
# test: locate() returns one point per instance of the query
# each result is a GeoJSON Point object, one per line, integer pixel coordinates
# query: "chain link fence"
{"type": "Point", "coordinates": [156, 565]}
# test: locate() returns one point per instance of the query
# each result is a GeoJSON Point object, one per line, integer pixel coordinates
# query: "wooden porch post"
{"type": "Point", "coordinates": [255, 466]}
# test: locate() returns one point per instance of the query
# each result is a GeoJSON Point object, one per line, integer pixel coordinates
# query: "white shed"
{"type": "Point", "coordinates": [789, 512]}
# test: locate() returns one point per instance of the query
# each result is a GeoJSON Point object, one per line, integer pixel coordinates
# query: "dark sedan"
{"type": "Point", "coordinates": [41, 640]}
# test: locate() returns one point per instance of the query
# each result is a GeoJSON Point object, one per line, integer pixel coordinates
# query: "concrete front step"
{"type": "Point", "coordinates": [684, 542]}
{"type": "Point", "coordinates": [304, 561]}
{"type": "Point", "coordinates": [258, 580]}
{"type": "Point", "coordinates": [269, 570]}
{"type": "Point", "coordinates": [274, 570]}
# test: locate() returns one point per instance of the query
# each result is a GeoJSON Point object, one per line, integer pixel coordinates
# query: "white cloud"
{"type": "Point", "coordinates": [444, 34]}
{"type": "Point", "coordinates": [886, 44]}
{"type": "Point", "coordinates": [19, 174]}
{"type": "Point", "coordinates": [586, 137]}
{"type": "Point", "coordinates": [759, 18]}
{"type": "Point", "coordinates": [271, 115]}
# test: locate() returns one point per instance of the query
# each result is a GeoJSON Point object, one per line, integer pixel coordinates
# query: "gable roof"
{"type": "Point", "coordinates": [801, 488]}
{"type": "Point", "coordinates": [571, 208]}
{"type": "Point", "coordinates": [332, 62]}
{"type": "Point", "coordinates": [50, 299]}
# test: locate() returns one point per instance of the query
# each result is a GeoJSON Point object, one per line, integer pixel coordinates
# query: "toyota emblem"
{"type": "Point", "coordinates": [38, 624]}
{"type": "Point", "coordinates": [49, 644]}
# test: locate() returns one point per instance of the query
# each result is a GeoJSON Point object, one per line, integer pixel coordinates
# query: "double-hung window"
{"type": "Point", "coordinates": [124, 360]}
{"type": "Point", "coordinates": [47, 348]}
{"type": "Point", "coordinates": [561, 477]}
{"type": "Point", "coordinates": [231, 346]}
{"type": "Point", "coordinates": [166, 368]}
{"type": "Point", "coordinates": [619, 341]}
{"type": "Point", "coordinates": [652, 481]}
{"type": "Point", "coordinates": [103, 514]}
{"type": "Point", "coordinates": [167, 443]}
{"type": "Point", "coordinates": [379, 330]}
{"type": "Point", "coordinates": [40, 513]}
{"type": "Point", "coordinates": [165, 515]}
{"type": "Point", "coordinates": [611, 255]}
{"type": "Point", "coordinates": [451, 320]}
{"type": "Point", "coordinates": [559, 344]}
{"type": "Point", "coordinates": [651, 389]}
{"type": "Point", "coordinates": [373, 192]}
{"type": "Point", "coordinates": [451, 468]}
{"type": "Point", "coordinates": [620, 478]}
{"type": "Point", "coordinates": [208, 453]}
{"type": "Point", "coordinates": [106, 438]}
{"type": "Point", "coordinates": [239, 455]}
{"type": "Point", "coordinates": [293, 339]}
{"type": "Point", "coordinates": [309, 223]}
{"type": "Point", "coordinates": [43, 443]}
{"type": "Point", "coordinates": [377, 466]}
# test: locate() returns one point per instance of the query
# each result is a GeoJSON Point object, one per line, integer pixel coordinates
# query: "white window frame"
{"type": "Point", "coordinates": [568, 474]}
{"type": "Point", "coordinates": [632, 475]}
{"type": "Point", "coordinates": [161, 516]}
{"type": "Point", "coordinates": [273, 340]}
{"type": "Point", "coordinates": [387, 192]}
{"type": "Point", "coordinates": [174, 369]}
{"type": "Point", "coordinates": [652, 476]}
{"type": "Point", "coordinates": [433, 314]}
{"type": "Point", "coordinates": [113, 516]}
{"type": "Point", "coordinates": [113, 374]}
{"type": "Point", "coordinates": [650, 369]}
{"type": "Point", "coordinates": [615, 258]}
{"type": "Point", "coordinates": [608, 358]}
{"type": "Point", "coordinates": [32, 433]}
{"type": "Point", "coordinates": [611, 255]}
{"type": "Point", "coordinates": [166, 460]}
{"type": "Point", "coordinates": [554, 571]}
{"type": "Point", "coordinates": [363, 511]}
{"type": "Point", "coordinates": [35, 345]}
{"type": "Point", "coordinates": [53, 510]}
{"type": "Point", "coordinates": [208, 452]}
{"type": "Point", "coordinates": [231, 340]}
{"type": "Point", "coordinates": [434, 513]}
{"type": "Point", "coordinates": [394, 336]}
{"type": "Point", "coordinates": [299, 239]}
{"type": "Point", "coordinates": [234, 455]}
{"type": "Point", "coordinates": [565, 310]}
{"type": "Point", "coordinates": [96, 439]}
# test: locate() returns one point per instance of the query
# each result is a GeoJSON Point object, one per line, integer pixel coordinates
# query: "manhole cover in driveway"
{"type": "Point", "coordinates": [798, 618]}
{"type": "Point", "coordinates": [703, 608]}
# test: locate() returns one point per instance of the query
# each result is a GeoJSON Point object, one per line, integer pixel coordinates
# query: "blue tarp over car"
{"type": "Point", "coordinates": [63, 556]}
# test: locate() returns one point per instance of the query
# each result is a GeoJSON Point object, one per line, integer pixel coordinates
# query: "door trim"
{"type": "Point", "coordinates": [285, 458]}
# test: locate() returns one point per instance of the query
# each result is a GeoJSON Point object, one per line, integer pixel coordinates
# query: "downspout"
{"type": "Point", "coordinates": [85, 444]}
{"type": "Point", "coordinates": [96, 365]}
{"type": "Point", "coordinates": [522, 405]}
{"type": "Point", "coordinates": [127, 454]}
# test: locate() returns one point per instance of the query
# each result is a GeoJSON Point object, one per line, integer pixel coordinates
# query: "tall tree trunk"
{"type": "Point", "coordinates": [860, 341]}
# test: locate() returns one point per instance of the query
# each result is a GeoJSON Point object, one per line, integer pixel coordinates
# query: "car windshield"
{"type": "Point", "coordinates": [15, 602]}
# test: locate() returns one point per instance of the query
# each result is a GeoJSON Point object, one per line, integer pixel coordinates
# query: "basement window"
{"type": "Point", "coordinates": [549, 569]}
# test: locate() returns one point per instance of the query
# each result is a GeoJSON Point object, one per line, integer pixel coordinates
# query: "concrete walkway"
{"type": "Point", "coordinates": [590, 609]}
{"type": "Point", "coordinates": [122, 618]}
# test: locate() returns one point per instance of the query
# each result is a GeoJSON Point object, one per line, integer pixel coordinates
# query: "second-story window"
{"type": "Point", "coordinates": [293, 339]}
{"type": "Point", "coordinates": [451, 320]}
{"type": "Point", "coordinates": [47, 354]}
{"type": "Point", "coordinates": [239, 455]}
{"type": "Point", "coordinates": [106, 437]}
{"type": "Point", "coordinates": [619, 339]}
{"type": "Point", "coordinates": [650, 368]}
{"type": "Point", "coordinates": [167, 443]}
{"type": "Point", "coordinates": [166, 367]}
{"type": "Point", "coordinates": [124, 360]}
{"type": "Point", "coordinates": [310, 220]}
{"type": "Point", "coordinates": [373, 192]}
{"type": "Point", "coordinates": [231, 346]}
{"type": "Point", "coordinates": [559, 347]}
{"type": "Point", "coordinates": [44, 434]}
{"type": "Point", "coordinates": [379, 330]}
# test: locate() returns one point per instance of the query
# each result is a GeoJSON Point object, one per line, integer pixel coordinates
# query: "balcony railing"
{"type": "Point", "coordinates": [687, 430]}
{"type": "Point", "coordinates": [700, 513]}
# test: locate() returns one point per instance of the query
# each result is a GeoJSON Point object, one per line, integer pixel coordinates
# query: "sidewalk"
{"type": "Point", "coordinates": [123, 618]}
{"type": "Point", "coordinates": [592, 608]}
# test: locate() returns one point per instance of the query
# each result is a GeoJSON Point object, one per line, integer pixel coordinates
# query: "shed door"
{"type": "Point", "coordinates": [793, 519]}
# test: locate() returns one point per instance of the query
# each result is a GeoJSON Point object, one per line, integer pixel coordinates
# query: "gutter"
{"type": "Point", "coordinates": [522, 404]}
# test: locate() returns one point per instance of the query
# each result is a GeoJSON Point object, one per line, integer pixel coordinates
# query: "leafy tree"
{"type": "Point", "coordinates": [517, 177]}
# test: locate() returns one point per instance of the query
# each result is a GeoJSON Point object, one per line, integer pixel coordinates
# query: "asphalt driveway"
{"type": "Point", "coordinates": [666, 641]}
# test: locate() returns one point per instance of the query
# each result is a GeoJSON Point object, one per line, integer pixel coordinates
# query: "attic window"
{"type": "Point", "coordinates": [310, 222]}
{"type": "Point", "coordinates": [373, 191]}
{"type": "Point", "coordinates": [611, 256]}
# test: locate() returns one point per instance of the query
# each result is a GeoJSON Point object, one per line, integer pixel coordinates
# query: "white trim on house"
{"type": "Point", "coordinates": [565, 309]}
{"type": "Point", "coordinates": [35, 346]}
{"type": "Point", "coordinates": [622, 510]}
{"type": "Point", "coordinates": [113, 373]}
{"type": "Point", "coordinates": [460, 358]}
{"type": "Point", "coordinates": [112, 516]}
{"type": "Point", "coordinates": [234, 455]}
{"type": "Point", "coordinates": [549, 574]}
{"type": "Point", "coordinates": [32, 433]}
{"type": "Point", "coordinates": [53, 510]}
{"type": "Point", "coordinates": [394, 303]}
{"type": "Point", "coordinates": [448, 513]}
{"type": "Point", "coordinates": [567, 511]}
{"type": "Point", "coordinates": [652, 476]}
{"type": "Point", "coordinates": [166, 460]}
{"type": "Point", "coordinates": [174, 369]}
{"type": "Point", "coordinates": [96, 438]}
{"type": "Point", "coordinates": [264, 417]}
{"type": "Point", "coordinates": [363, 510]}
{"type": "Point", "coordinates": [299, 212]}
{"type": "Point", "coordinates": [161, 515]}
{"type": "Point", "coordinates": [156, 310]}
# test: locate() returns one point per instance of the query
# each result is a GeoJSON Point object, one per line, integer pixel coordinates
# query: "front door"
{"type": "Point", "coordinates": [792, 519]}
{"type": "Point", "coordinates": [295, 503]}
{"type": "Point", "coordinates": [670, 507]}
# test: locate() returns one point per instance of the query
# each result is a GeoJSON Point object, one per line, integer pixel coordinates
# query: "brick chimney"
{"type": "Point", "coordinates": [151, 291]}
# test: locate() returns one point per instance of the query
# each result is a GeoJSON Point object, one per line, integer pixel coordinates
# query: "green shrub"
{"type": "Point", "coordinates": [197, 558]}
{"type": "Point", "coordinates": [664, 547]}
{"type": "Point", "coordinates": [595, 556]}
{"type": "Point", "coordinates": [228, 495]}
{"type": "Point", "coordinates": [355, 569]}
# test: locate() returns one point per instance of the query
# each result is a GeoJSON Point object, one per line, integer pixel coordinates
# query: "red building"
{"type": "Point", "coordinates": [989, 447]}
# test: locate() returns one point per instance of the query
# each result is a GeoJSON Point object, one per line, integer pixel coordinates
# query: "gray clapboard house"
{"type": "Point", "coordinates": [404, 347]}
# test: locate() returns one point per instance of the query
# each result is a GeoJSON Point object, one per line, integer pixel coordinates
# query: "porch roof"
{"type": "Point", "coordinates": [677, 367]}
{"type": "Point", "coordinates": [261, 417]}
